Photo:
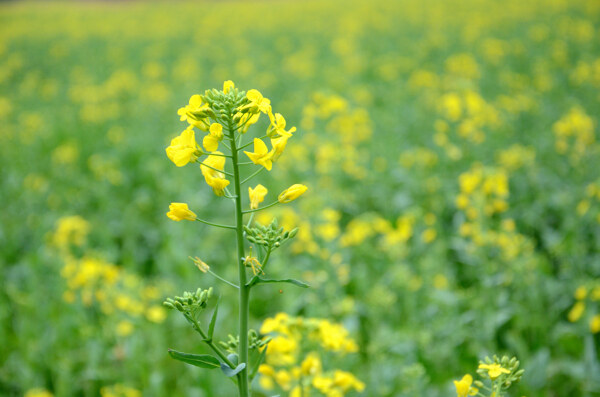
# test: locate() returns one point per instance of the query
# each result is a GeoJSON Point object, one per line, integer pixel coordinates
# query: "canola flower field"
{"type": "Point", "coordinates": [451, 155]}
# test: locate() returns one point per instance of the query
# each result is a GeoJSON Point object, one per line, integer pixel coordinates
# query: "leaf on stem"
{"type": "Point", "coordinates": [199, 360]}
{"type": "Point", "coordinates": [213, 320]}
{"type": "Point", "coordinates": [230, 371]}
{"type": "Point", "coordinates": [259, 280]}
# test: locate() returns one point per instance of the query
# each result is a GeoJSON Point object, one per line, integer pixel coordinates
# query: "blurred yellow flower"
{"type": "Point", "coordinates": [38, 392]}
{"type": "Point", "coordinates": [124, 328]}
{"type": "Point", "coordinates": [576, 312]}
{"type": "Point", "coordinates": [463, 386]}
{"type": "Point", "coordinates": [180, 211]}
{"type": "Point", "coordinates": [228, 85]}
{"type": "Point", "coordinates": [156, 314]}
{"type": "Point", "coordinates": [494, 370]}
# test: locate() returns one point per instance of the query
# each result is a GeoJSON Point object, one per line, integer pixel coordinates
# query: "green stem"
{"type": "Point", "coordinates": [244, 309]}
{"type": "Point", "coordinates": [222, 279]}
{"type": "Point", "coordinates": [253, 175]}
{"type": "Point", "coordinates": [266, 259]}
{"type": "Point", "coordinates": [262, 208]}
{"type": "Point", "coordinates": [210, 343]}
{"type": "Point", "coordinates": [213, 168]}
{"type": "Point", "coordinates": [251, 142]}
{"type": "Point", "coordinates": [216, 224]}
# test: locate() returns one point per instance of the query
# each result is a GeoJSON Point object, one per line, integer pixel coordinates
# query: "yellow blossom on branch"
{"type": "Point", "coordinates": [261, 155]}
{"type": "Point", "coordinates": [180, 211]}
{"type": "Point", "coordinates": [195, 113]}
{"type": "Point", "coordinates": [211, 141]}
{"type": "Point", "coordinates": [183, 148]}
{"type": "Point", "coordinates": [494, 370]}
{"type": "Point", "coordinates": [292, 193]}
{"type": "Point", "coordinates": [277, 126]}
{"type": "Point", "coordinates": [257, 195]}
{"type": "Point", "coordinates": [210, 169]}
{"type": "Point", "coordinates": [228, 86]}
{"type": "Point", "coordinates": [463, 386]}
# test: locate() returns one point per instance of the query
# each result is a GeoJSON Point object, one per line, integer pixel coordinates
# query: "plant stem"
{"type": "Point", "coordinates": [244, 290]}
{"type": "Point", "coordinates": [216, 224]}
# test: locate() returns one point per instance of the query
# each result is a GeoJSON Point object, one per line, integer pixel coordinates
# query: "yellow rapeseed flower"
{"type": "Point", "coordinates": [277, 126]}
{"type": "Point", "coordinates": [463, 386]}
{"type": "Point", "coordinates": [278, 146]}
{"type": "Point", "coordinates": [292, 193]}
{"type": "Point", "coordinates": [576, 311]}
{"type": "Point", "coordinates": [214, 178]}
{"type": "Point", "coordinates": [228, 86]}
{"type": "Point", "coordinates": [258, 103]}
{"type": "Point", "coordinates": [257, 195]}
{"type": "Point", "coordinates": [194, 112]}
{"type": "Point", "coordinates": [595, 324]}
{"type": "Point", "coordinates": [261, 154]}
{"type": "Point", "coordinates": [183, 148]}
{"type": "Point", "coordinates": [180, 211]}
{"type": "Point", "coordinates": [494, 370]}
{"type": "Point", "coordinates": [211, 141]}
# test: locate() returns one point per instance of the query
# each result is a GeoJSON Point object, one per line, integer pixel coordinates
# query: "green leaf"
{"type": "Point", "coordinates": [199, 360]}
{"type": "Point", "coordinates": [260, 360]}
{"type": "Point", "coordinates": [213, 320]}
{"type": "Point", "coordinates": [259, 280]}
{"type": "Point", "coordinates": [232, 372]}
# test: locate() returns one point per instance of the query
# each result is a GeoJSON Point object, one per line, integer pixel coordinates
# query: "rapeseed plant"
{"type": "Point", "coordinates": [227, 115]}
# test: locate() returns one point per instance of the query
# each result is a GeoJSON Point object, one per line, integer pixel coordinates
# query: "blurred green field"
{"type": "Point", "coordinates": [450, 149]}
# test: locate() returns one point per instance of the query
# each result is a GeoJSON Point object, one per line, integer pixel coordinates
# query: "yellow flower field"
{"type": "Point", "coordinates": [433, 167]}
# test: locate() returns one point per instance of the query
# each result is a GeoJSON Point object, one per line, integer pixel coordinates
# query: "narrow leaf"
{"type": "Point", "coordinates": [259, 280]}
{"type": "Point", "coordinates": [213, 320]}
{"type": "Point", "coordinates": [199, 360]}
{"type": "Point", "coordinates": [232, 372]}
{"type": "Point", "coordinates": [260, 360]}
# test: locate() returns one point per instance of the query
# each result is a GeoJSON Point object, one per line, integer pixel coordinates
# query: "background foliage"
{"type": "Point", "coordinates": [450, 149]}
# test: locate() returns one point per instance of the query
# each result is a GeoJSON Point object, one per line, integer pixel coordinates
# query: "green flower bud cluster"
{"type": "Point", "coordinates": [510, 364]}
{"type": "Point", "coordinates": [221, 103]}
{"type": "Point", "coordinates": [254, 342]}
{"type": "Point", "coordinates": [191, 303]}
{"type": "Point", "coordinates": [269, 236]}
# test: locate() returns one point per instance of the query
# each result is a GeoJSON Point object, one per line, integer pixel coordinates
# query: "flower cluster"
{"type": "Point", "coordinates": [294, 356]}
{"type": "Point", "coordinates": [96, 282]}
{"type": "Point", "coordinates": [501, 373]}
{"type": "Point", "coordinates": [232, 111]}
{"type": "Point", "coordinates": [587, 295]}
{"type": "Point", "coordinates": [574, 130]}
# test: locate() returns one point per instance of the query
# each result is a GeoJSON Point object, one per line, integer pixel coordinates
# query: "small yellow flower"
{"type": "Point", "coordinates": [278, 146]}
{"type": "Point", "coordinates": [463, 386]}
{"type": "Point", "coordinates": [214, 178]}
{"type": "Point", "coordinates": [261, 154]}
{"type": "Point", "coordinates": [258, 103]}
{"type": "Point", "coordinates": [278, 126]}
{"type": "Point", "coordinates": [576, 311]}
{"type": "Point", "coordinates": [494, 370]}
{"type": "Point", "coordinates": [183, 148]}
{"type": "Point", "coordinates": [228, 86]}
{"type": "Point", "coordinates": [257, 195]}
{"type": "Point", "coordinates": [211, 141]}
{"type": "Point", "coordinates": [595, 324]}
{"type": "Point", "coordinates": [292, 193]}
{"type": "Point", "coordinates": [180, 211]}
{"type": "Point", "coordinates": [156, 314]}
{"type": "Point", "coordinates": [194, 112]}
{"type": "Point", "coordinates": [124, 328]}
{"type": "Point", "coordinates": [203, 267]}
{"type": "Point", "coordinates": [252, 262]}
